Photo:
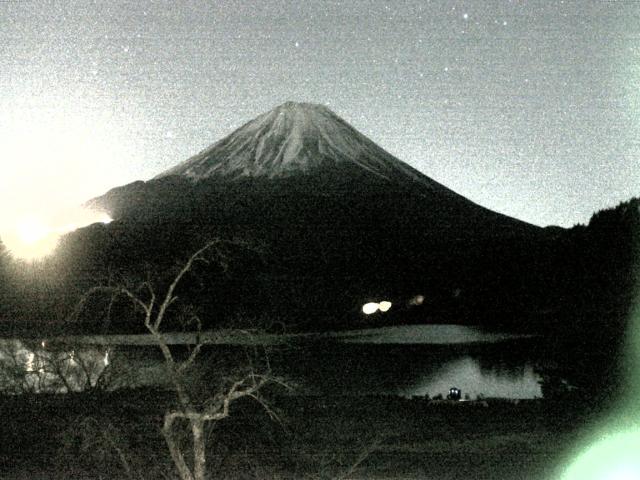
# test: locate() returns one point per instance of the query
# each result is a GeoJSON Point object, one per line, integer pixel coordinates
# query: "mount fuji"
{"type": "Point", "coordinates": [296, 138]}
{"type": "Point", "coordinates": [300, 146]}
{"type": "Point", "coordinates": [335, 215]}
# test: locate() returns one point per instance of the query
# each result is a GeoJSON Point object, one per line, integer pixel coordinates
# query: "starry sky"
{"type": "Point", "coordinates": [530, 108]}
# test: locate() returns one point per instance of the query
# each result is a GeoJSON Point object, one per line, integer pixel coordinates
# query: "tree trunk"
{"type": "Point", "coordinates": [174, 449]}
{"type": "Point", "coordinates": [199, 454]}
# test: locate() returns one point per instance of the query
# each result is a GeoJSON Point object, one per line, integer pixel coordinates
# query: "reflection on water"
{"type": "Point", "coordinates": [407, 361]}
{"type": "Point", "coordinates": [417, 370]}
{"type": "Point", "coordinates": [34, 367]}
{"type": "Point", "coordinates": [419, 360]}
{"type": "Point", "coordinates": [424, 335]}
{"type": "Point", "coordinates": [475, 381]}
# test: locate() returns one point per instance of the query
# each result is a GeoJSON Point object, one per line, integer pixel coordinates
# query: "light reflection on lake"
{"type": "Point", "coordinates": [407, 360]}
{"type": "Point", "coordinates": [422, 360]}
{"type": "Point", "coordinates": [424, 335]}
{"type": "Point", "coordinates": [416, 370]}
{"type": "Point", "coordinates": [32, 367]}
{"type": "Point", "coordinates": [475, 381]}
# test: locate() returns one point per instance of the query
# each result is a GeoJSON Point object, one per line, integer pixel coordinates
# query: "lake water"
{"type": "Point", "coordinates": [405, 360]}
{"type": "Point", "coordinates": [502, 369]}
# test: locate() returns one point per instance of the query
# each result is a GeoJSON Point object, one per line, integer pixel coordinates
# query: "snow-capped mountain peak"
{"type": "Point", "coordinates": [294, 138]}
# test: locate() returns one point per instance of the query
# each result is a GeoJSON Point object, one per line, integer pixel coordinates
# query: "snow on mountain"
{"type": "Point", "coordinates": [295, 138]}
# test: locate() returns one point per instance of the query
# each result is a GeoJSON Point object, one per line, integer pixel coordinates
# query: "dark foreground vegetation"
{"type": "Point", "coordinates": [117, 435]}
{"type": "Point", "coordinates": [575, 288]}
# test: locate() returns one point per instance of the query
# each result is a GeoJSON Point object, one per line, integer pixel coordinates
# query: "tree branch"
{"type": "Point", "coordinates": [169, 297]}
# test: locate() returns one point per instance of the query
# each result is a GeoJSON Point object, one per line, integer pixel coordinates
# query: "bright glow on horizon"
{"type": "Point", "coordinates": [56, 153]}
{"type": "Point", "coordinates": [32, 237]}
{"type": "Point", "coordinates": [31, 230]}
{"type": "Point", "coordinates": [29, 238]}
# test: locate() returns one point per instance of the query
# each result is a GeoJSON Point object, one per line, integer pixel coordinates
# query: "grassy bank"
{"type": "Point", "coordinates": [116, 435]}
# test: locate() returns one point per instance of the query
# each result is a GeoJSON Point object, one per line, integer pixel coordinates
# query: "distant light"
{"type": "Point", "coordinates": [373, 307]}
{"type": "Point", "coordinates": [384, 306]}
{"type": "Point", "coordinates": [369, 308]}
{"type": "Point", "coordinates": [30, 364]}
{"type": "Point", "coordinates": [106, 358]}
{"type": "Point", "coordinates": [417, 300]}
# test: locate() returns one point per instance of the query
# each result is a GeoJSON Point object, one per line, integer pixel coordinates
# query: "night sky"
{"type": "Point", "coordinates": [528, 108]}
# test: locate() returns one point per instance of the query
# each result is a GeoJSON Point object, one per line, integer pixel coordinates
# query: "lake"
{"type": "Point", "coordinates": [414, 360]}
{"type": "Point", "coordinates": [418, 361]}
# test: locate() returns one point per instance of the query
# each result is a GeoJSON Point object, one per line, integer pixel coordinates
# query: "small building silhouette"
{"type": "Point", "coordinates": [454, 394]}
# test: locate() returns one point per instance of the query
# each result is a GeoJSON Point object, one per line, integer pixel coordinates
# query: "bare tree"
{"type": "Point", "coordinates": [156, 307]}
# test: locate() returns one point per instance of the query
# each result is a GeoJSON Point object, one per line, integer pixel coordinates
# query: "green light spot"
{"type": "Point", "coordinates": [614, 458]}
